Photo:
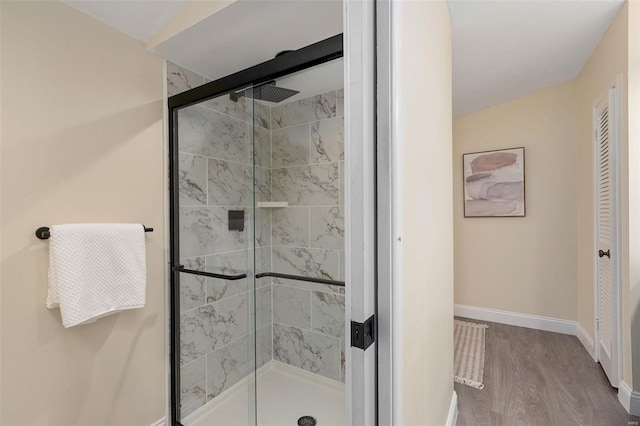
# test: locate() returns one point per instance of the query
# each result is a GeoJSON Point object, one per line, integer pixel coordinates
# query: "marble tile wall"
{"type": "Point", "coordinates": [307, 238]}
{"type": "Point", "coordinates": [298, 149]}
{"type": "Point", "coordinates": [181, 79]}
{"type": "Point", "coordinates": [218, 322]}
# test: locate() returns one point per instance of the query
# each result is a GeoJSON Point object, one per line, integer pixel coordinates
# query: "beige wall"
{"type": "Point", "coordinates": [526, 265]}
{"type": "Point", "coordinates": [634, 183]}
{"type": "Point", "coordinates": [599, 73]}
{"type": "Point", "coordinates": [82, 141]}
{"type": "Point", "coordinates": [424, 111]}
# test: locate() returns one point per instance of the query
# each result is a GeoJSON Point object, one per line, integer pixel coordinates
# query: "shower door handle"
{"type": "Point", "coordinates": [301, 278]}
{"type": "Point", "coordinates": [604, 253]}
{"type": "Point", "coordinates": [181, 268]}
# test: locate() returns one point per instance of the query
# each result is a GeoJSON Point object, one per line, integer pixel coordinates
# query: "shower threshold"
{"type": "Point", "coordinates": [285, 394]}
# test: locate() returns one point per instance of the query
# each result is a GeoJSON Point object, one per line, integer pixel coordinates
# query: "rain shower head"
{"type": "Point", "coordinates": [266, 92]}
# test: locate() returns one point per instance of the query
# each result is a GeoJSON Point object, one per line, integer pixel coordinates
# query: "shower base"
{"type": "Point", "coordinates": [285, 394]}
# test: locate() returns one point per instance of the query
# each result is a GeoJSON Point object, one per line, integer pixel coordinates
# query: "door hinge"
{"type": "Point", "coordinates": [363, 334]}
{"type": "Point", "coordinates": [598, 324]}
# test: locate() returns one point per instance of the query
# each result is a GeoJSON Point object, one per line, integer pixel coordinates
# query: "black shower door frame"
{"type": "Point", "coordinates": [287, 63]}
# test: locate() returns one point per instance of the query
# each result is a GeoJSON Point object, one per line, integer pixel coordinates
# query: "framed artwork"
{"type": "Point", "coordinates": [494, 183]}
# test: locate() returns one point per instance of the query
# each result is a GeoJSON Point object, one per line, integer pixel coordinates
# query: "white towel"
{"type": "Point", "coordinates": [96, 269]}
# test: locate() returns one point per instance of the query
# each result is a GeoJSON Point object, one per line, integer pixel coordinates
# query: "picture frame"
{"type": "Point", "coordinates": [494, 183]}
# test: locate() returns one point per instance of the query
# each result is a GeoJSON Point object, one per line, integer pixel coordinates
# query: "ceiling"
{"type": "Point", "coordinates": [139, 19]}
{"type": "Point", "coordinates": [249, 32]}
{"type": "Point", "coordinates": [501, 49]}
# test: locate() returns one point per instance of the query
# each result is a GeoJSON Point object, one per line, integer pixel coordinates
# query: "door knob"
{"type": "Point", "coordinates": [605, 253]}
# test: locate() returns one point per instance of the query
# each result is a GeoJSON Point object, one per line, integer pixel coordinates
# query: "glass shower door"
{"type": "Point", "coordinates": [258, 249]}
{"type": "Point", "coordinates": [216, 242]}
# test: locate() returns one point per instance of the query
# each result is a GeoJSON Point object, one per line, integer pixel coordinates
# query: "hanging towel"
{"type": "Point", "coordinates": [96, 269]}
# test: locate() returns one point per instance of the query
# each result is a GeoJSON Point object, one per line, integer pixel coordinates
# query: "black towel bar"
{"type": "Point", "coordinates": [44, 233]}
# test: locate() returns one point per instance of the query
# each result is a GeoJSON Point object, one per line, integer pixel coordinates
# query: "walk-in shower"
{"type": "Point", "coordinates": [257, 242]}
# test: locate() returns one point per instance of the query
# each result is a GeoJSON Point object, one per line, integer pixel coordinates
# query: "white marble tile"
{"type": "Point", "coordinates": [212, 326]}
{"type": "Point", "coordinates": [290, 146]}
{"type": "Point", "coordinates": [227, 366]}
{"type": "Point", "coordinates": [202, 131]}
{"type": "Point", "coordinates": [328, 313]}
{"type": "Point", "coordinates": [342, 183]}
{"type": "Point", "coordinates": [327, 140]}
{"type": "Point", "coordinates": [340, 107]}
{"type": "Point", "coordinates": [264, 347]}
{"type": "Point", "coordinates": [264, 306]}
{"type": "Point", "coordinates": [193, 391]}
{"type": "Point", "coordinates": [205, 230]}
{"type": "Point", "coordinates": [315, 185]}
{"type": "Point", "coordinates": [229, 184]}
{"type": "Point", "coordinates": [262, 184]}
{"type": "Point", "coordinates": [192, 172]}
{"type": "Point", "coordinates": [263, 227]}
{"type": "Point", "coordinates": [310, 286]}
{"type": "Point", "coordinates": [292, 306]}
{"type": "Point", "coordinates": [327, 228]}
{"type": "Point", "coordinates": [306, 262]}
{"type": "Point", "coordinates": [192, 287]}
{"type": "Point", "coordinates": [290, 226]}
{"type": "Point", "coordinates": [242, 109]}
{"type": "Point", "coordinates": [308, 350]}
{"type": "Point", "coordinates": [232, 263]}
{"type": "Point", "coordinates": [261, 146]}
{"type": "Point", "coordinates": [304, 111]}
{"type": "Point", "coordinates": [263, 264]}
{"type": "Point", "coordinates": [343, 270]}
{"type": "Point", "coordinates": [181, 79]}
{"type": "Point", "coordinates": [262, 115]}
{"type": "Point", "coordinates": [343, 363]}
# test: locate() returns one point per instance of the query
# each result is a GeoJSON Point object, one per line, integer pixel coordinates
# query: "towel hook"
{"type": "Point", "coordinates": [44, 233]}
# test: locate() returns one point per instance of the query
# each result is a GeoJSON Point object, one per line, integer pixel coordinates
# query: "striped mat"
{"type": "Point", "coordinates": [468, 344]}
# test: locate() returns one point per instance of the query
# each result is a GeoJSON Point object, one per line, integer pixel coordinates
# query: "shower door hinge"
{"type": "Point", "coordinates": [363, 334]}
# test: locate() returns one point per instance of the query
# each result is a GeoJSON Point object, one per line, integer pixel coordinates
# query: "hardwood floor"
{"type": "Point", "coordinates": [538, 378]}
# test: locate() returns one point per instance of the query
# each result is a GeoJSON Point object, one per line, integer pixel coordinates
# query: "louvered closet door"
{"type": "Point", "coordinates": [606, 276]}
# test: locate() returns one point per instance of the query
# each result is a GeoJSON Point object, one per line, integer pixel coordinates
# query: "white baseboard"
{"type": "Point", "coordinates": [452, 418]}
{"type": "Point", "coordinates": [629, 399]}
{"type": "Point", "coordinates": [161, 422]}
{"type": "Point", "coordinates": [521, 320]}
{"type": "Point", "coordinates": [624, 395]}
{"type": "Point", "coordinates": [587, 341]}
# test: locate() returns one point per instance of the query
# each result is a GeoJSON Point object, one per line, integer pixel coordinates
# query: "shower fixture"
{"type": "Point", "coordinates": [265, 92]}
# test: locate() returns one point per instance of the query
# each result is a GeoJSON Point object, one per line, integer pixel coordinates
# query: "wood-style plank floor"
{"type": "Point", "coordinates": [538, 378]}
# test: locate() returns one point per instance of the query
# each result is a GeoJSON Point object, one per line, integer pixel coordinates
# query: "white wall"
{"type": "Point", "coordinates": [421, 68]}
{"type": "Point", "coordinates": [633, 113]}
{"type": "Point", "coordinates": [522, 264]}
{"type": "Point", "coordinates": [82, 141]}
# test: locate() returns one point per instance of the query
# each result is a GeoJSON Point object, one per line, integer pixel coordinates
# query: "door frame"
{"type": "Point", "coordinates": [616, 243]}
{"type": "Point", "coordinates": [306, 57]}
{"type": "Point", "coordinates": [361, 242]}
{"type": "Point", "coordinates": [389, 391]}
